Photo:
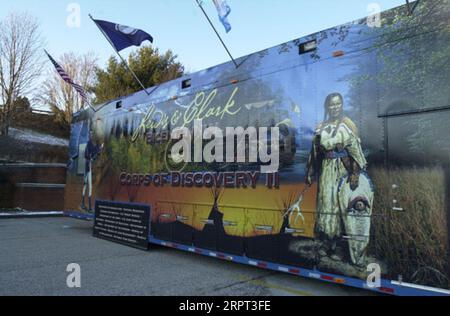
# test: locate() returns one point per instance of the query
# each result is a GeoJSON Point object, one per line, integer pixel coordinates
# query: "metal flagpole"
{"type": "Point", "coordinates": [217, 33]}
{"type": "Point", "coordinates": [408, 6]}
{"type": "Point", "coordinates": [117, 52]}
{"type": "Point", "coordinates": [411, 9]}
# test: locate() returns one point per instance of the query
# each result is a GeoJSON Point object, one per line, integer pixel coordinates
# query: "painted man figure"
{"type": "Point", "coordinates": [90, 154]}
{"type": "Point", "coordinates": [336, 156]}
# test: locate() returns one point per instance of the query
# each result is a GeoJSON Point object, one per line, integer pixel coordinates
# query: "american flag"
{"type": "Point", "coordinates": [67, 79]}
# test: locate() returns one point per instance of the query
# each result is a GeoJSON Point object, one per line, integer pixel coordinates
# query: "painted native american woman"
{"type": "Point", "coordinates": [345, 192]}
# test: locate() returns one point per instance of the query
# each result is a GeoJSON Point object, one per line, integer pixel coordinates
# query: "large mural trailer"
{"type": "Point", "coordinates": [363, 112]}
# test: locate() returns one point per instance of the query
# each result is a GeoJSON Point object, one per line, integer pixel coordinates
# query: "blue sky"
{"type": "Point", "coordinates": [179, 25]}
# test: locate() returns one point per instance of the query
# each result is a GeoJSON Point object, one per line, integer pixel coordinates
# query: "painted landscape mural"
{"type": "Point", "coordinates": [364, 152]}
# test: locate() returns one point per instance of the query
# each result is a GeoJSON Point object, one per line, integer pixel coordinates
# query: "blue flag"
{"type": "Point", "coordinates": [122, 36]}
{"type": "Point", "coordinates": [224, 11]}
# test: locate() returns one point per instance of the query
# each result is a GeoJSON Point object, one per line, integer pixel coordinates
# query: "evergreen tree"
{"type": "Point", "coordinates": [151, 67]}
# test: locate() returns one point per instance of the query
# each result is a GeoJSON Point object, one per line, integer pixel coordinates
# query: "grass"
{"type": "Point", "coordinates": [413, 243]}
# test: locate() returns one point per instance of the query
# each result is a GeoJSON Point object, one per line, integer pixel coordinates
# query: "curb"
{"type": "Point", "coordinates": [78, 215]}
{"type": "Point", "coordinates": [31, 215]}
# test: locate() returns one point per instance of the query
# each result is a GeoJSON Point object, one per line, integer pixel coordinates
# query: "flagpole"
{"type": "Point", "coordinates": [217, 33]}
{"type": "Point", "coordinates": [123, 60]}
{"type": "Point", "coordinates": [411, 9]}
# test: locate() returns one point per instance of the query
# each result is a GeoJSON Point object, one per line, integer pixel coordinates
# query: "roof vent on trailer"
{"type": "Point", "coordinates": [307, 47]}
{"type": "Point", "coordinates": [186, 84]}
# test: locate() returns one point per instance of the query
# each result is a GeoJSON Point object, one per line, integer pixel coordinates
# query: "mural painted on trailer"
{"type": "Point", "coordinates": [363, 174]}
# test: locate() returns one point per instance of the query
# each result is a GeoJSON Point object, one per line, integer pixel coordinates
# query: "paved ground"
{"type": "Point", "coordinates": [34, 254]}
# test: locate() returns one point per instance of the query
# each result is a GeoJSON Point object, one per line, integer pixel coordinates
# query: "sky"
{"type": "Point", "coordinates": [180, 25]}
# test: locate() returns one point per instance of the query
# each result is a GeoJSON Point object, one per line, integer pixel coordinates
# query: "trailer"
{"type": "Point", "coordinates": [350, 183]}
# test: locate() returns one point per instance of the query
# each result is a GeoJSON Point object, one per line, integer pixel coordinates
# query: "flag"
{"type": "Point", "coordinates": [122, 36]}
{"type": "Point", "coordinates": [224, 11]}
{"type": "Point", "coordinates": [67, 78]}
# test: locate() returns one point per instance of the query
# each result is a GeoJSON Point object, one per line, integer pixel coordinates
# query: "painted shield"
{"type": "Point", "coordinates": [356, 208]}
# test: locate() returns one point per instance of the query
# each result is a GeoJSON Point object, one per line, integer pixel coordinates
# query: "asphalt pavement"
{"type": "Point", "coordinates": [35, 253]}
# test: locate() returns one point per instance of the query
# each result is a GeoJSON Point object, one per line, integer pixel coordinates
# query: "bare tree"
{"type": "Point", "coordinates": [62, 98]}
{"type": "Point", "coordinates": [20, 62]}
